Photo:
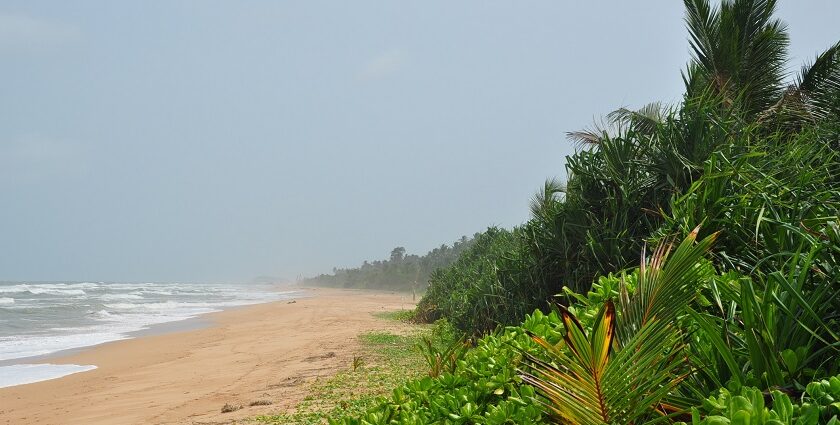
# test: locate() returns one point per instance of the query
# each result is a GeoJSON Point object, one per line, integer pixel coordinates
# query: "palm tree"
{"type": "Point", "coordinates": [739, 58]}
{"type": "Point", "coordinates": [631, 164]}
{"type": "Point", "coordinates": [740, 54]}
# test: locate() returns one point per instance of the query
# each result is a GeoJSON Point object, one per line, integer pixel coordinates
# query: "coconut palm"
{"type": "Point", "coordinates": [740, 53]}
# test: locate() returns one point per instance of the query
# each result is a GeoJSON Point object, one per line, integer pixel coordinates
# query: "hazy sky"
{"type": "Point", "coordinates": [221, 140]}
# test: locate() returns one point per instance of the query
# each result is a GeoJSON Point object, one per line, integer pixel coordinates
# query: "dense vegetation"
{"type": "Point", "coordinates": [733, 318]}
{"type": "Point", "coordinates": [646, 345]}
{"type": "Point", "coordinates": [746, 153]}
{"type": "Point", "coordinates": [400, 271]}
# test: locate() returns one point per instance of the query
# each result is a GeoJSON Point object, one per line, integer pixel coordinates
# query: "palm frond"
{"type": "Point", "coordinates": [644, 120]}
{"type": "Point", "coordinates": [594, 384]}
{"type": "Point", "coordinates": [584, 138]}
{"type": "Point", "coordinates": [543, 201]}
{"type": "Point", "coordinates": [595, 379]}
{"type": "Point", "coordinates": [666, 285]}
{"type": "Point", "coordinates": [702, 22]}
{"type": "Point", "coordinates": [738, 50]}
{"type": "Point", "coordinates": [820, 83]}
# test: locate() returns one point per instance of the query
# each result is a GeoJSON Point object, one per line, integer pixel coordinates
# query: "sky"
{"type": "Point", "coordinates": [220, 140]}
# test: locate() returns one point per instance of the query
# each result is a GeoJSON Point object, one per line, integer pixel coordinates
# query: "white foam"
{"type": "Point", "coordinates": [169, 305]}
{"type": "Point", "coordinates": [48, 291]}
{"type": "Point", "coordinates": [127, 308]}
{"type": "Point", "coordinates": [116, 297]}
{"type": "Point", "coordinates": [12, 289]}
{"type": "Point", "coordinates": [49, 288]}
{"type": "Point", "coordinates": [20, 374]}
{"type": "Point", "coordinates": [159, 292]}
{"type": "Point", "coordinates": [114, 327]}
{"type": "Point", "coordinates": [15, 347]}
{"type": "Point", "coordinates": [106, 315]}
{"type": "Point", "coordinates": [42, 289]}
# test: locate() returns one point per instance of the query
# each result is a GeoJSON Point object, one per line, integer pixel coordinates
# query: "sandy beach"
{"type": "Point", "coordinates": [263, 352]}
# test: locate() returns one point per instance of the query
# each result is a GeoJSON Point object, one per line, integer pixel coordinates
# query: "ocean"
{"type": "Point", "coordinates": [38, 319]}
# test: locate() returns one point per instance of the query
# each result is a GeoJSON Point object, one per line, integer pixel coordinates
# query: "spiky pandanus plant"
{"type": "Point", "coordinates": [628, 366]}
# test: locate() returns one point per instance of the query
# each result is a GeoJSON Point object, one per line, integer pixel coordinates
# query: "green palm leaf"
{"type": "Point", "coordinates": [594, 379]}
{"type": "Point", "coordinates": [739, 52]}
{"type": "Point", "coordinates": [665, 285]}
{"type": "Point", "coordinates": [819, 82]}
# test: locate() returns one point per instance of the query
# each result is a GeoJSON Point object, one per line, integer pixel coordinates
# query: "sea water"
{"type": "Point", "coordinates": [38, 319]}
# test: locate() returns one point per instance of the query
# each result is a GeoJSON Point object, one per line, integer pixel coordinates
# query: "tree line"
{"type": "Point", "coordinates": [400, 271]}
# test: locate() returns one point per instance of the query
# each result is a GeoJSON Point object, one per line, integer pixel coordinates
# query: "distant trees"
{"type": "Point", "coordinates": [400, 271]}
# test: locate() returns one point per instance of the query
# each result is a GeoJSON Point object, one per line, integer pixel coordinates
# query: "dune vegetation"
{"type": "Point", "coordinates": [687, 270]}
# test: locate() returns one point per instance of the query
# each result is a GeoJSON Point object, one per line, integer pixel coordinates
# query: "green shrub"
{"type": "Point", "coordinates": [469, 293]}
{"type": "Point", "coordinates": [485, 385]}
{"type": "Point", "coordinates": [820, 404]}
{"type": "Point", "coordinates": [483, 388]}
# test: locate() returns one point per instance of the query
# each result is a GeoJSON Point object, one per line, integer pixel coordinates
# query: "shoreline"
{"type": "Point", "coordinates": [244, 354]}
{"type": "Point", "coordinates": [183, 325]}
{"type": "Point", "coordinates": [196, 322]}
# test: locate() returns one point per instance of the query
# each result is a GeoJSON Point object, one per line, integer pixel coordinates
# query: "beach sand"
{"type": "Point", "coordinates": [262, 352]}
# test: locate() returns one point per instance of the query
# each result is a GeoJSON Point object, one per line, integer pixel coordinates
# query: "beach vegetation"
{"type": "Point", "coordinates": [358, 362]}
{"type": "Point", "coordinates": [388, 360]}
{"type": "Point", "coordinates": [661, 170]}
{"type": "Point", "coordinates": [397, 315]}
{"type": "Point", "coordinates": [625, 368]}
{"type": "Point", "coordinates": [731, 319]}
{"type": "Point", "coordinates": [749, 405]}
{"type": "Point", "coordinates": [443, 360]}
{"type": "Point", "coordinates": [638, 348]}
